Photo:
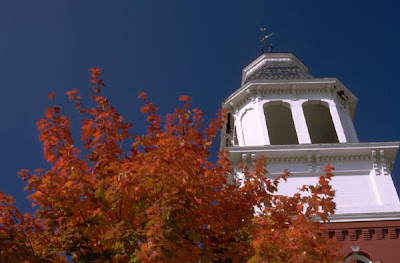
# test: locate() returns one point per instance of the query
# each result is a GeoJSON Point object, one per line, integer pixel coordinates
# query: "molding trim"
{"type": "Point", "coordinates": [259, 64]}
{"type": "Point", "coordinates": [381, 154]}
{"type": "Point", "coordinates": [365, 217]}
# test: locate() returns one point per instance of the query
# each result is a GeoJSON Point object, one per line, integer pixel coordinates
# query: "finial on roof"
{"type": "Point", "coordinates": [266, 48]}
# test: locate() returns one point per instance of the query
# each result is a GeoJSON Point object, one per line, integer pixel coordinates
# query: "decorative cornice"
{"type": "Point", "coordinates": [381, 154]}
{"type": "Point", "coordinates": [323, 159]}
{"type": "Point", "coordinates": [289, 149]}
{"type": "Point", "coordinates": [365, 232]}
{"type": "Point", "coordinates": [290, 90]}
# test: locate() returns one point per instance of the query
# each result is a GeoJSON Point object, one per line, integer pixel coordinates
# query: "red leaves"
{"type": "Point", "coordinates": [97, 90]}
{"type": "Point", "coordinates": [95, 74]}
{"type": "Point", "coordinates": [49, 114]}
{"type": "Point", "coordinates": [51, 95]}
{"type": "Point", "coordinates": [165, 201]}
{"type": "Point", "coordinates": [145, 109]}
{"type": "Point", "coordinates": [185, 99]}
{"type": "Point", "coordinates": [142, 95]}
{"type": "Point", "coordinates": [17, 233]}
{"type": "Point", "coordinates": [328, 169]}
{"type": "Point", "coordinates": [73, 94]}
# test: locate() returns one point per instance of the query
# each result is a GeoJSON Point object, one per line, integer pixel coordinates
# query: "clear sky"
{"type": "Point", "coordinates": [195, 48]}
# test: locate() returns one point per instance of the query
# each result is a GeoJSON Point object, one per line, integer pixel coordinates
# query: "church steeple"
{"type": "Point", "coordinates": [279, 102]}
{"type": "Point", "coordinates": [301, 123]}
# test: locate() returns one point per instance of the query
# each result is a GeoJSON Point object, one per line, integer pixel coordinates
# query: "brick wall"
{"type": "Point", "coordinates": [379, 240]}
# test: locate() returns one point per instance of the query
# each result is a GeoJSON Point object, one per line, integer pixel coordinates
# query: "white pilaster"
{"type": "Point", "coordinates": [384, 183]}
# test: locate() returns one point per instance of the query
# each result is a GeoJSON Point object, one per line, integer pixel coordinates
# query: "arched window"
{"type": "Point", "coordinates": [357, 259]}
{"type": "Point", "coordinates": [319, 123]}
{"type": "Point", "coordinates": [280, 123]}
{"type": "Point", "coordinates": [230, 133]}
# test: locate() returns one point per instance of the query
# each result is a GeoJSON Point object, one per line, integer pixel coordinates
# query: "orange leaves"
{"type": "Point", "coordinates": [49, 114]}
{"type": "Point", "coordinates": [73, 94]}
{"type": "Point", "coordinates": [299, 240]}
{"type": "Point", "coordinates": [16, 231]}
{"type": "Point", "coordinates": [51, 96]}
{"type": "Point", "coordinates": [95, 74]}
{"type": "Point", "coordinates": [328, 168]}
{"type": "Point", "coordinates": [39, 170]}
{"type": "Point", "coordinates": [142, 95]}
{"type": "Point", "coordinates": [145, 109]}
{"type": "Point", "coordinates": [287, 222]}
{"type": "Point", "coordinates": [164, 201]}
{"type": "Point", "coordinates": [215, 125]}
{"type": "Point", "coordinates": [97, 90]}
{"type": "Point", "coordinates": [185, 98]}
{"type": "Point", "coordinates": [102, 102]}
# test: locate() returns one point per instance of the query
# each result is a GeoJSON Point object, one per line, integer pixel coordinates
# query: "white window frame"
{"type": "Point", "coordinates": [358, 257]}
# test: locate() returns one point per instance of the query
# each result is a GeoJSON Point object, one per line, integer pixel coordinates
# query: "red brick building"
{"type": "Point", "coordinates": [368, 241]}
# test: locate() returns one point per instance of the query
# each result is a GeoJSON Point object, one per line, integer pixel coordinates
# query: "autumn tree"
{"type": "Point", "coordinates": [163, 201]}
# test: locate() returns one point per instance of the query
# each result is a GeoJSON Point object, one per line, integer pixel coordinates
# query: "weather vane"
{"type": "Point", "coordinates": [266, 48]}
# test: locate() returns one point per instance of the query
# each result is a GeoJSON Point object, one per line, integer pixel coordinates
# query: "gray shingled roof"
{"type": "Point", "coordinates": [279, 70]}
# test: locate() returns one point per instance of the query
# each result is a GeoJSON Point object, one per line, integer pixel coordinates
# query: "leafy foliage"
{"type": "Point", "coordinates": [164, 201]}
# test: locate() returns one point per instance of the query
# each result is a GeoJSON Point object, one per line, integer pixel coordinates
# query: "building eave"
{"type": "Point", "coordinates": [322, 146]}
{"type": "Point", "coordinates": [365, 217]}
{"type": "Point", "coordinates": [328, 150]}
{"type": "Point", "coordinates": [304, 86]}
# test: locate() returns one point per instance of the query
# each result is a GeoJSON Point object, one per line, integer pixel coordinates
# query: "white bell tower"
{"type": "Point", "coordinates": [301, 123]}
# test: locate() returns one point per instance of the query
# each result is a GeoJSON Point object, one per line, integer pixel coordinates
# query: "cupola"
{"type": "Point", "coordinates": [280, 103]}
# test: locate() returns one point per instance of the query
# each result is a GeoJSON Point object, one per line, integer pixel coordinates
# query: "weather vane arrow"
{"type": "Point", "coordinates": [266, 48]}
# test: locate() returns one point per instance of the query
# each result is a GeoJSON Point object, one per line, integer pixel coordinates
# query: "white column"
{"type": "Point", "coordinates": [336, 121]}
{"type": "Point", "coordinates": [299, 121]}
{"type": "Point", "coordinates": [263, 123]}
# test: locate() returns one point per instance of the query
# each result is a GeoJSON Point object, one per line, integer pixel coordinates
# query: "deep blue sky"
{"type": "Point", "coordinates": [195, 48]}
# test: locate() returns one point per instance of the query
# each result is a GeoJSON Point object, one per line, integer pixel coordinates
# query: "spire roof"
{"type": "Point", "coordinates": [275, 66]}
